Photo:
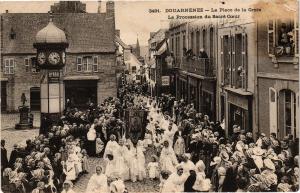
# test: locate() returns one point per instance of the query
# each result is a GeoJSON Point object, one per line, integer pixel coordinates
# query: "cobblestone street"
{"type": "Point", "coordinates": [11, 135]}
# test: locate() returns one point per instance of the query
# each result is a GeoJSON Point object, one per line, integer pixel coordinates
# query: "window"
{"type": "Point", "coordinates": [35, 68]}
{"type": "Point", "coordinates": [26, 64]}
{"type": "Point", "coordinates": [9, 66]}
{"type": "Point", "coordinates": [197, 42]}
{"type": "Point", "coordinates": [283, 37]}
{"type": "Point", "coordinates": [204, 39]}
{"type": "Point", "coordinates": [87, 64]}
{"type": "Point", "coordinates": [95, 64]}
{"type": "Point", "coordinates": [192, 41]}
{"type": "Point", "coordinates": [133, 69]}
{"type": "Point", "coordinates": [79, 64]}
{"type": "Point", "coordinates": [226, 60]}
{"type": "Point", "coordinates": [12, 34]}
{"type": "Point", "coordinates": [211, 42]}
{"type": "Point", "coordinates": [238, 61]}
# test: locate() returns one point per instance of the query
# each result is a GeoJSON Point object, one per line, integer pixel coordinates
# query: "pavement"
{"type": "Point", "coordinates": [12, 136]}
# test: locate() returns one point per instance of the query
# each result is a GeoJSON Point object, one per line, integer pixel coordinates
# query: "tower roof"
{"type": "Point", "coordinates": [51, 34]}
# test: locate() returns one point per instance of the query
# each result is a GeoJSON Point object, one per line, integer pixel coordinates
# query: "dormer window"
{"type": "Point", "coordinates": [12, 34]}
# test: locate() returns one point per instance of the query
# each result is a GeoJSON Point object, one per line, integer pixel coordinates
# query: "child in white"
{"type": "Point", "coordinates": [153, 168]}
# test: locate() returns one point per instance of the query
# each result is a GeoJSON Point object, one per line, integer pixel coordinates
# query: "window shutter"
{"type": "Point", "coordinates": [14, 66]}
{"type": "Point", "coordinates": [6, 66]}
{"type": "Point", "coordinates": [79, 64]}
{"type": "Point", "coordinates": [297, 115]}
{"type": "Point", "coordinates": [296, 34]}
{"type": "Point", "coordinates": [222, 59]}
{"type": "Point", "coordinates": [244, 61]}
{"type": "Point", "coordinates": [232, 59]}
{"type": "Point", "coordinates": [273, 110]}
{"type": "Point", "coordinates": [271, 37]}
{"type": "Point", "coordinates": [95, 64]}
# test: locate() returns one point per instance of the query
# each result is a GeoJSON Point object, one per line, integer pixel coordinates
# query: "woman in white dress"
{"type": "Point", "coordinates": [98, 182]}
{"type": "Point", "coordinates": [111, 146]}
{"type": "Point", "coordinates": [167, 158]}
{"type": "Point", "coordinates": [70, 170]}
{"type": "Point", "coordinates": [131, 160]}
{"type": "Point", "coordinates": [201, 184]}
{"type": "Point", "coordinates": [141, 160]}
{"type": "Point", "coordinates": [111, 170]}
{"type": "Point", "coordinates": [121, 156]}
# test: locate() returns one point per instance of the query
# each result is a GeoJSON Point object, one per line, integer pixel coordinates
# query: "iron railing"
{"type": "Point", "coordinates": [199, 66]}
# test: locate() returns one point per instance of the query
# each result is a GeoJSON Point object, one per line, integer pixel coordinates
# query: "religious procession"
{"type": "Point", "coordinates": [189, 153]}
{"type": "Point", "coordinates": [149, 96]}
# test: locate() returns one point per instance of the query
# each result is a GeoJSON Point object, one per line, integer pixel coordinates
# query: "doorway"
{"type": "Point", "coordinates": [3, 96]}
{"type": "Point", "coordinates": [35, 99]}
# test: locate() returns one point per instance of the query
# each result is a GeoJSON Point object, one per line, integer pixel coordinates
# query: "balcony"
{"type": "Point", "coordinates": [199, 66]}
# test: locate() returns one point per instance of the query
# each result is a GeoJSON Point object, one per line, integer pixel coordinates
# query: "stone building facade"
{"type": "Point", "coordinates": [196, 75]}
{"type": "Point", "coordinates": [90, 71]}
{"type": "Point", "coordinates": [258, 75]}
{"type": "Point", "coordinates": [278, 73]}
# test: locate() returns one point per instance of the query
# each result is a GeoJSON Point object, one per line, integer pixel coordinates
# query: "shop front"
{"type": "Point", "coordinates": [81, 92]}
{"type": "Point", "coordinates": [239, 111]}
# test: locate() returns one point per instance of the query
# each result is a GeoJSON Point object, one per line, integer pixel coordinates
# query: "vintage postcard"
{"type": "Point", "coordinates": [149, 96]}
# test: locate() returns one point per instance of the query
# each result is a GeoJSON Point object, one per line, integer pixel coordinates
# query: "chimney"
{"type": "Point", "coordinates": [99, 6]}
{"type": "Point", "coordinates": [110, 9]}
{"type": "Point", "coordinates": [6, 11]}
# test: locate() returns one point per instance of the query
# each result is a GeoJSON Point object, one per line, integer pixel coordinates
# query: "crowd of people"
{"type": "Point", "coordinates": [197, 156]}
{"type": "Point", "coordinates": [191, 153]}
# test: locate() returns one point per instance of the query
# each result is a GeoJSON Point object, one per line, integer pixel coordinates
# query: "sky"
{"type": "Point", "coordinates": [132, 17]}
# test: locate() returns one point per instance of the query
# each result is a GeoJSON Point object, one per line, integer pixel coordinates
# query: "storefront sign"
{"type": "Point", "coordinates": [53, 76]}
{"type": "Point", "coordinates": [238, 101]}
{"type": "Point", "coordinates": [165, 80]}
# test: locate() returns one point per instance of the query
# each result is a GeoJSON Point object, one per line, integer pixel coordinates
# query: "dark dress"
{"type": "Point", "coordinates": [230, 183]}
{"type": "Point", "coordinates": [13, 156]}
{"type": "Point", "coordinates": [4, 160]}
{"type": "Point", "coordinates": [188, 185]}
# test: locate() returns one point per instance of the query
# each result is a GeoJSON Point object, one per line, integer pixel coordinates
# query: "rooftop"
{"type": "Point", "coordinates": [85, 32]}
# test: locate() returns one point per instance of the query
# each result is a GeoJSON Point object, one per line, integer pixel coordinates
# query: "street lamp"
{"type": "Point", "coordinates": [51, 43]}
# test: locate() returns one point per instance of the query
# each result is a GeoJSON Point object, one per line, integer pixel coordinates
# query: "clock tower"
{"type": "Point", "coordinates": [51, 44]}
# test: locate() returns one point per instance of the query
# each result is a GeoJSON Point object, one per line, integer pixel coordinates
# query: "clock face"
{"type": "Point", "coordinates": [64, 57]}
{"type": "Point", "coordinates": [41, 58]}
{"type": "Point", "coordinates": [54, 58]}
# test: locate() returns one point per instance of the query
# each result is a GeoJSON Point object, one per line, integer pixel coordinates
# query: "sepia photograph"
{"type": "Point", "coordinates": [154, 96]}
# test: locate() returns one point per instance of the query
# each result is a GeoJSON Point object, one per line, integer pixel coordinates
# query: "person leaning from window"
{"type": "Point", "coordinates": [202, 53]}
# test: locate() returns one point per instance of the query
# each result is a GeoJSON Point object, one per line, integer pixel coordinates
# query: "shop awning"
{"type": "Point", "coordinates": [81, 78]}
